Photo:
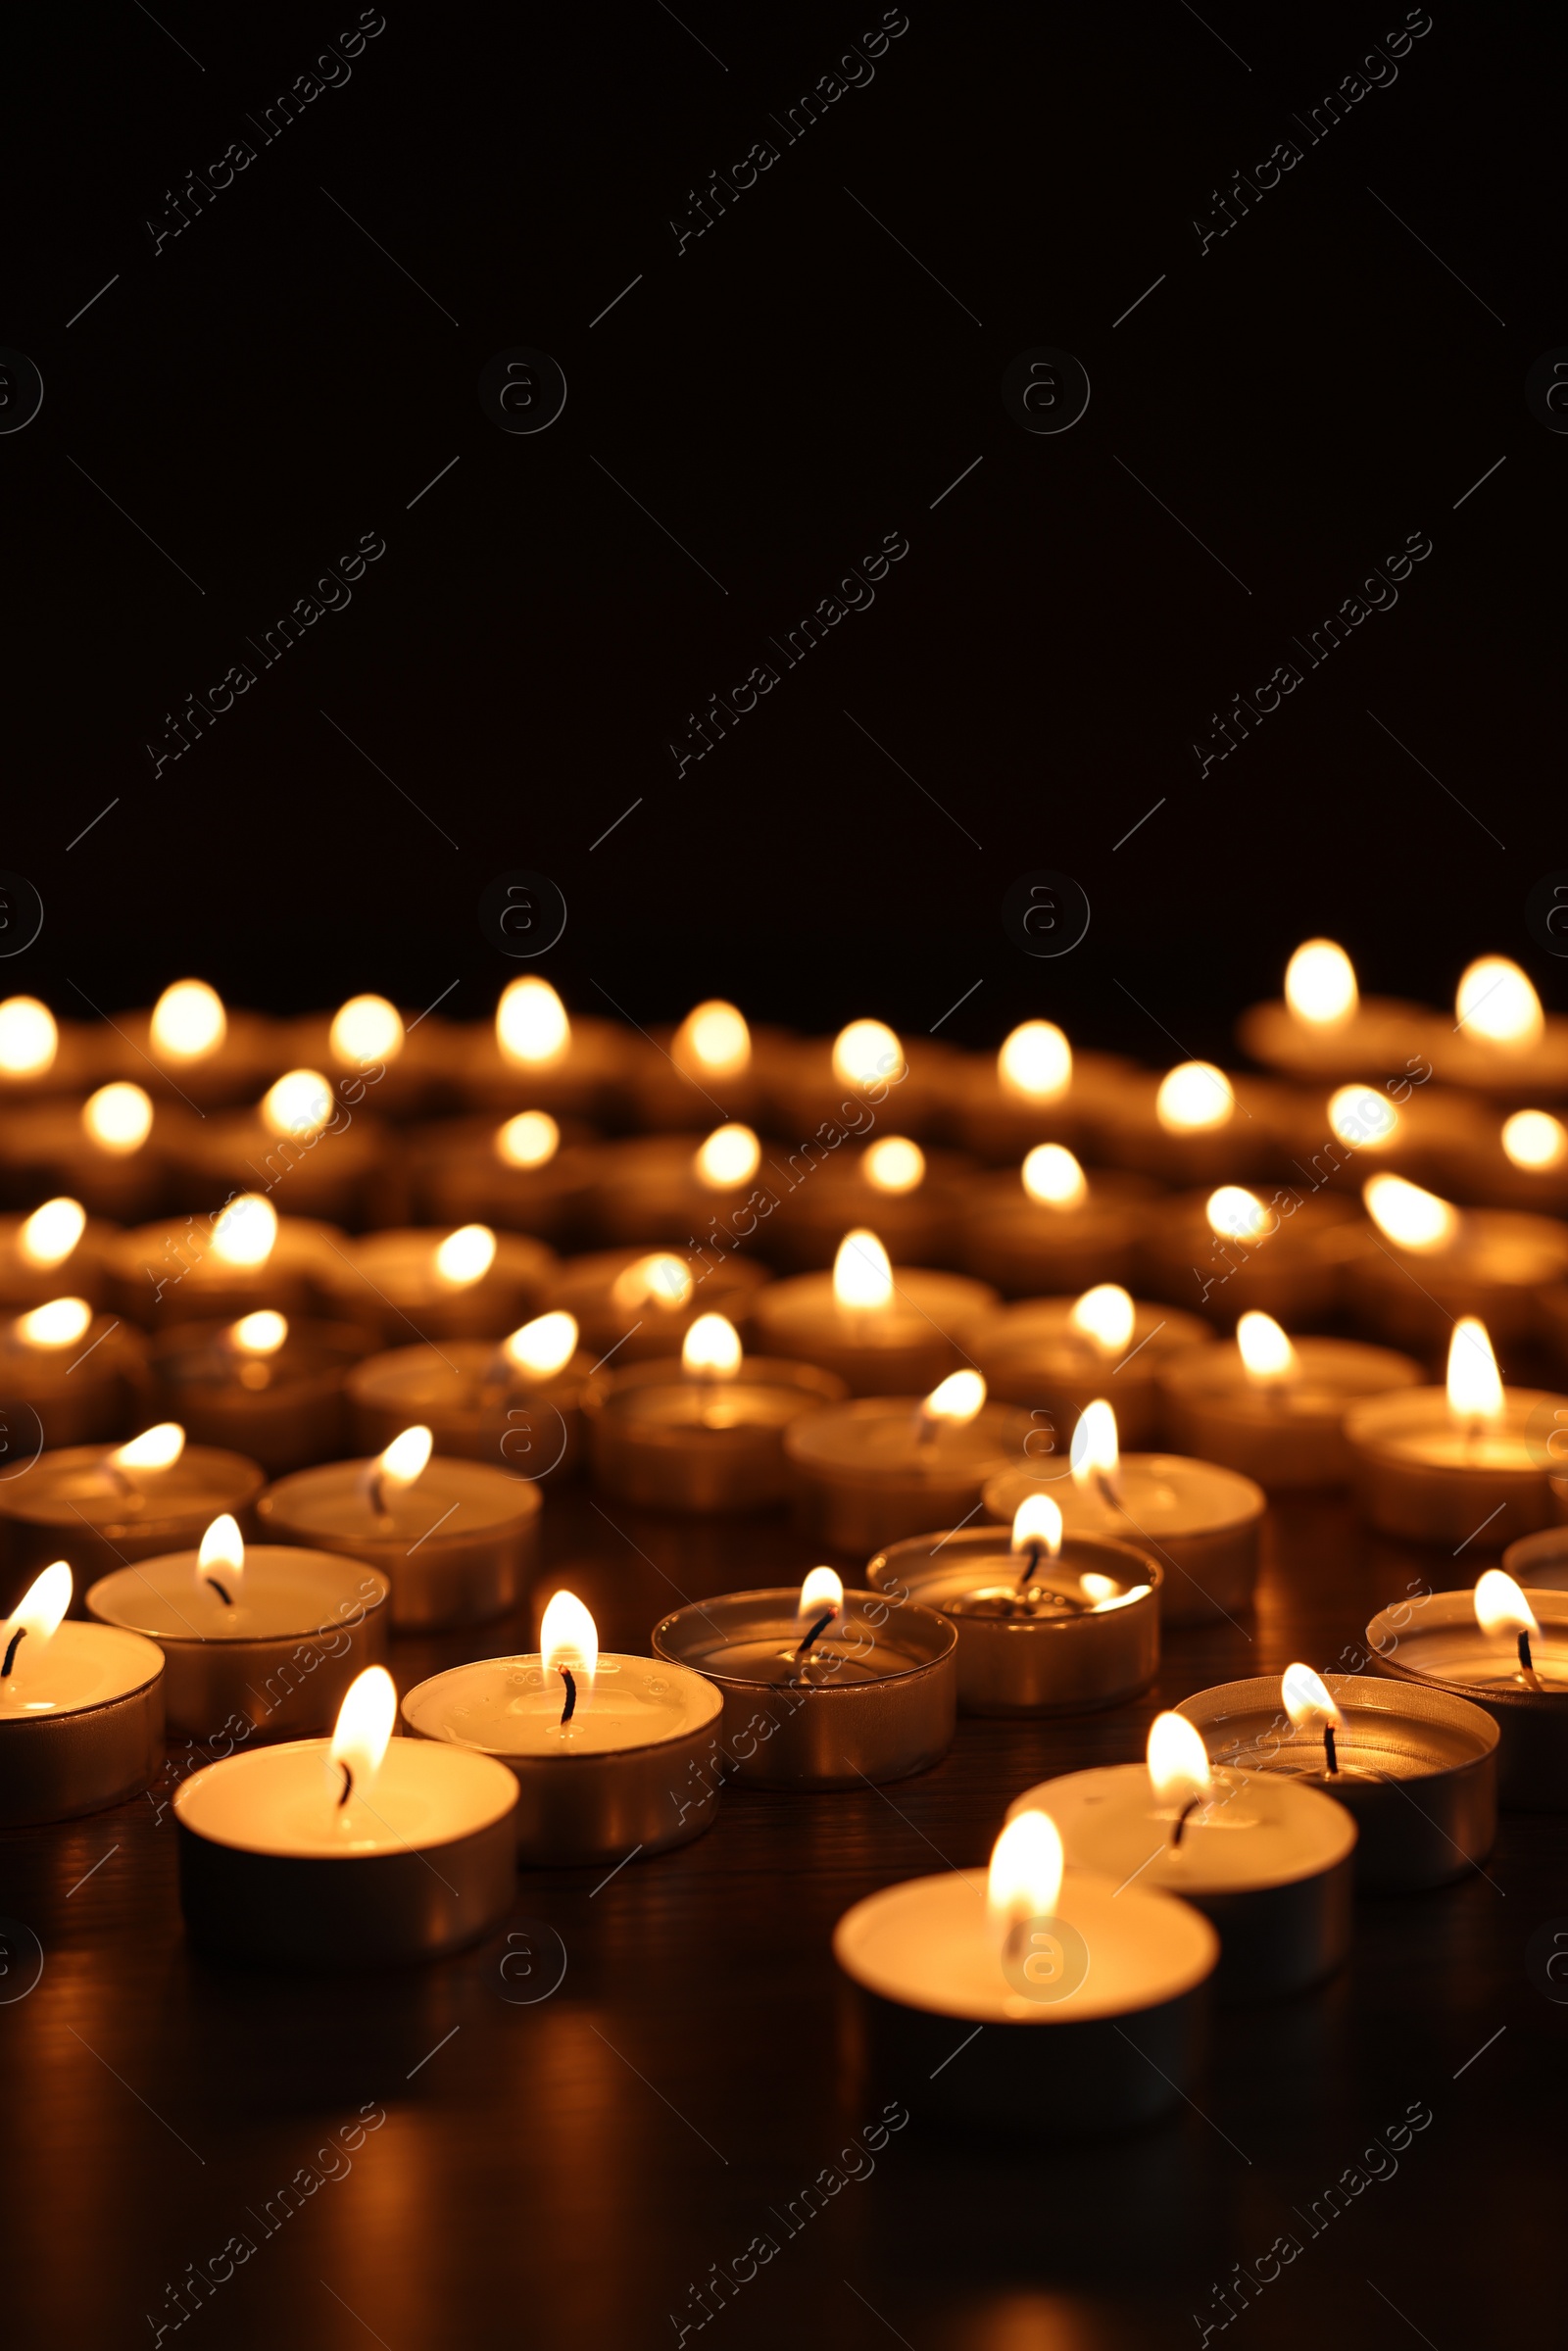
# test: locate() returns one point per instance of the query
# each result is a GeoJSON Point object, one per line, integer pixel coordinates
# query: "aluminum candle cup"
{"type": "Point", "coordinates": [1540, 1561]}
{"type": "Point", "coordinates": [281, 1404]}
{"type": "Point", "coordinates": [84, 1727]}
{"type": "Point", "coordinates": [1415, 1768]}
{"type": "Point", "coordinates": [342, 1172]}
{"type": "Point", "coordinates": [1428, 1133]}
{"type": "Point", "coordinates": [1055, 1647]}
{"type": "Point", "coordinates": [1098, 2047]}
{"type": "Point", "coordinates": [636, 1768]}
{"type": "Point", "coordinates": [649, 1191]}
{"type": "Point", "coordinates": [274, 1873]}
{"type": "Point", "coordinates": [1275, 1254]}
{"type": "Point", "coordinates": [1429, 1474]}
{"type": "Point", "coordinates": [1035, 1354]}
{"type": "Point", "coordinates": [902, 1088]}
{"type": "Point", "coordinates": [275, 1664]}
{"type": "Point", "coordinates": [526, 1174]}
{"type": "Point", "coordinates": [1435, 1642]}
{"type": "Point", "coordinates": [178, 1272]}
{"type": "Point", "coordinates": [1268, 1863]}
{"type": "Point", "coordinates": [573, 1069]}
{"type": "Point", "coordinates": [713, 1066]}
{"type": "Point", "coordinates": [905, 1345]}
{"type": "Point", "coordinates": [477, 1404]}
{"type": "Point", "coordinates": [874, 1700]}
{"type": "Point", "coordinates": [455, 1545]}
{"type": "Point", "coordinates": [396, 1283]}
{"type": "Point", "coordinates": [51, 1148]}
{"type": "Point", "coordinates": [1201, 1523]}
{"type": "Point", "coordinates": [865, 1475]}
{"type": "Point", "coordinates": [1287, 1432]}
{"type": "Point", "coordinates": [66, 1377]}
{"type": "Point", "coordinates": [1029, 1248]}
{"type": "Point", "coordinates": [1379, 1033]}
{"type": "Point", "coordinates": [1494, 1267]}
{"type": "Point", "coordinates": [637, 1303]}
{"type": "Point", "coordinates": [913, 1198]}
{"type": "Point", "coordinates": [1001, 1118]}
{"type": "Point", "coordinates": [670, 1441]}
{"type": "Point", "coordinates": [73, 1504]}
{"type": "Point", "coordinates": [54, 1253]}
{"type": "Point", "coordinates": [376, 1055]}
{"type": "Point", "coordinates": [1221, 1128]}
{"type": "Point", "coordinates": [232, 1063]}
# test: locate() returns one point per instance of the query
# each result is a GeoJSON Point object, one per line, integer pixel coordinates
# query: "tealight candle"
{"type": "Point", "coordinates": [470, 1284]}
{"type": "Point", "coordinates": [80, 1374]}
{"type": "Point", "coordinates": [518, 1404]}
{"type": "Point", "coordinates": [1035, 1089]}
{"type": "Point", "coordinates": [81, 1709]}
{"type": "Point", "coordinates": [100, 1506]}
{"type": "Point", "coordinates": [40, 1056]}
{"type": "Point", "coordinates": [1506, 1650]}
{"type": "Point", "coordinates": [713, 1066]}
{"type": "Point", "coordinates": [300, 1142]}
{"type": "Point", "coordinates": [259, 1641]}
{"type": "Point", "coordinates": [1054, 1356]}
{"type": "Point", "coordinates": [669, 1188]}
{"type": "Point", "coordinates": [1052, 1227]}
{"type": "Point", "coordinates": [1500, 1040]}
{"type": "Point", "coordinates": [1520, 1161]}
{"type": "Point", "coordinates": [816, 1083]}
{"type": "Point", "coordinates": [361, 1851]}
{"type": "Point", "coordinates": [1227, 1251]}
{"type": "Point", "coordinates": [1046, 1626]}
{"type": "Point", "coordinates": [883, 1332]}
{"type": "Point", "coordinates": [1193, 1125]}
{"type": "Point", "coordinates": [1268, 1860]}
{"type": "Point", "coordinates": [527, 1173]}
{"type": "Point", "coordinates": [871, 1471]}
{"type": "Point", "coordinates": [824, 1689]}
{"type": "Point", "coordinates": [216, 1267]}
{"type": "Point", "coordinates": [1325, 1028]}
{"type": "Point", "coordinates": [708, 1438]}
{"type": "Point", "coordinates": [112, 1152]}
{"type": "Point", "coordinates": [455, 1539]}
{"type": "Point", "coordinates": [612, 1755]}
{"type": "Point", "coordinates": [633, 1304]}
{"type": "Point", "coordinates": [1429, 1262]}
{"type": "Point", "coordinates": [1429, 1133]}
{"type": "Point", "coordinates": [536, 1057]}
{"type": "Point", "coordinates": [192, 1047]}
{"type": "Point", "coordinates": [1274, 1407]}
{"type": "Point", "coordinates": [1201, 1522]}
{"type": "Point", "coordinates": [56, 1250]}
{"type": "Point", "coordinates": [913, 1197]}
{"type": "Point", "coordinates": [262, 1385]}
{"type": "Point", "coordinates": [1415, 1768]}
{"type": "Point", "coordinates": [1446, 1464]}
{"type": "Point", "coordinates": [1099, 1989]}
{"type": "Point", "coordinates": [374, 1056]}
{"type": "Point", "coordinates": [1540, 1561]}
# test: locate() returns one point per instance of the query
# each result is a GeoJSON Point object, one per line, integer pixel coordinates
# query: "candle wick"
{"type": "Point", "coordinates": [1329, 1749]}
{"type": "Point", "coordinates": [570, 1707]}
{"type": "Point", "coordinates": [820, 1626]}
{"type": "Point", "coordinates": [348, 1785]}
{"type": "Point", "coordinates": [926, 1429]}
{"type": "Point", "coordinates": [1182, 1817]}
{"type": "Point", "coordinates": [1031, 1564]}
{"type": "Point", "coordinates": [378, 1507]}
{"type": "Point", "coordinates": [12, 1645]}
{"type": "Point", "coordinates": [1526, 1662]}
{"type": "Point", "coordinates": [1108, 1493]}
{"type": "Point", "coordinates": [222, 1593]}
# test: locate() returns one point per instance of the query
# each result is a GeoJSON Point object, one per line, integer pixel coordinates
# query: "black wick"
{"type": "Point", "coordinates": [1031, 1565]}
{"type": "Point", "coordinates": [19, 1636]}
{"type": "Point", "coordinates": [348, 1785]}
{"type": "Point", "coordinates": [571, 1706]}
{"type": "Point", "coordinates": [222, 1593]}
{"type": "Point", "coordinates": [1182, 1817]}
{"type": "Point", "coordinates": [1329, 1747]}
{"type": "Point", "coordinates": [820, 1626]}
{"type": "Point", "coordinates": [1526, 1662]}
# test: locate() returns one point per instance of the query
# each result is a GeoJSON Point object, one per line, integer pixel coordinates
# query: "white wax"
{"type": "Point", "coordinates": [78, 1666]}
{"type": "Point", "coordinates": [509, 1706]}
{"type": "Point", "coordinates": [283, 1800]}
{"type": "Point", "coordinates": [1252, 1832]}
{"type": "Point", "coordinates": [282, 1595]}
{"type": "Point", "coordinates": [450, 1497]}
{"type": "Point", "coordinates": [1159, 1493]}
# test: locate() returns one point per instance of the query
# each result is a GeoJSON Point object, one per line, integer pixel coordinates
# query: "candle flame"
{"type": "Point", "coordinates": [157, 1447]}
{"type": "Point", "coordinates": [1105, 1317]}
{"type": "Point", "coordinates": [822, 1590]}
{"type": "Point", "coordinates": [364, 1730]}
{"type": "Point", "coordinates": [1194, 1098]}
{"type": "Point", "coordinates": [1038, 1520]}
{"type": "Point", "coordinates": [1535, 1139]}
{"type": "Point", "coordinates": [1362, 1118]}
{"type": "Point", "coordinates": [223, 1554]}
{"type": "Point", "coordinates": [61, 1323]}
{"type": "Point", "coordinates": [300, 1104]}
{"type": "Point", "coordinates": [712, 1349]}
{"type": "Point", "coordinates": [52, 1232]}
{"type": "Point", "coordinates": [1178, 1760]}
{"type": "Point", "coordinates": [29, 1037]}
{"type": "Point", "coordinates": [545, 1346]}
{"type": "Point", "coordinates": [530, 1140]}
{"type": "Point", "coordinates": [1409, 1217]}
{"type": "Point", "coordinates": [365, 1029]}
{"type": "Point", "coordinates": [41, 1610]}
{"type": "Point", "coordinates": [1305, 1698]}
{"type": "Point", "coordinates": [861, 1273]}
{"type": "Point", "coordinates": [1025, 1880]}
{"type": "Point", "coordinates": [1266, 1353]}
{"type": "Point", "coordinates": [246, 1232]}
{"type": "Point", "coordinates": [867, 1054]}
{"type": "Point", "coordinates": [1053, 1177]}
{"type": "Point", "coordinates": [1236, 1214]}
{"type": "Point", "coordinates": [465, 1256]}
{"type": "Point", "coordinates": [1094, 1454]}
{"type": "Point", "coordinates": [1495, 1000]}
{"type": "Point", "coordinates": [258, 1334]}
{"type": "Point", "coordinates": [531, 1025]}
{"type": "Point", "coordinates": [1035, 1065]}
{"type": "Point", "coordinates": [188, 1021]}
{"type": "Point", "coordinates": [658, 1280]}
{"type": "Point", "coordinates": [713, 1041]}
{"type": "Point", "coordinates": [1475, 1386]}
{"type": "Point", "coordinates": [569, 1638]}
{"type": "Point", "coordinates": [1320, 984]}
{"type": "Point", "coordinates": [730, 1156]}
{"type": "Point", "coordinates": [956, 1400]}
{"type": "Point", "coordinates": [118, 1117]}
{"type": "Point", "coordinates": [1500, 1607]}
{"type": "Point", "coordinates": [405, 1460]}
{"type": "Point", "coordinates": [894, 1164]}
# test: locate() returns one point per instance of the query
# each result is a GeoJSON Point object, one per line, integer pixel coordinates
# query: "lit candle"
{"type": "Point", "coordinates": [99, 1505]}
{"type": "Point", "coordinates": [678, 1188]}
{"type": "Point", "coordinates": [712, 1067]}
{"type": "Point", "coordinates": [55, 1249]}
{"type": "Point", "coordinates": [1274, 1407]}
{"type": "Point", "coordinates": [612, 1755]}
{"type": "Point", "coordinates": [1048, 1626]}
{"type": "Point", "coordinates": [1415, 1768]}
{"type": "Point", "coordinates": [1099, 1989]}
{"type": "Point", "coordinates": [241, 1258]}
{"type": "Point", "coordinates": [1448, 1464]}
{"type": "Point", "coordinates": [879, 1468]}
{"type": "Point", "coordinates": [537, 1057]}
{"type": "Point", "coordinates": [192, 1047]}
{"type": "Point", "coordinates": [1428, 1262]}
{"type": "Point", "coordinates": [1500, 1041]}
{"type": "Point", "coordinates": [454, 1538]}
{"type": "Point", "coordinates": [29, 1046]}
{"type": "Point", "coordinates": [1201, 1522]}
{"type": "Point", "coordinates": [824, 1688]}
{"type": "Point", "coordinates": [81, 1709]}
{"type": "Point", "coordinates": [80, 1374]}
{"type": "Point", "coordinates": [518, 1404]}
{"type": "Point", "coordinates": [259, 1642]}
{"type": "Point", "coordinates": [883, 1333]}
{"type": "Point", "coordinates": [360, 1851]}
{"type": "Point", "coordinates": [303, 1143]}
{"type": "Point", "coordinates": [375, 1059]}
{"type": "Point", "coordinates": [528, 1173]}
{"type": "Point", "coordinates": [1505, 1649]}
{"type": "Point", "coordinates": [1193, 1125]}
{"type": "Point", "coordinates": [631, 1305]}
{"type": "Point", "coordinates": [1035, 1089]}
{"type": "Point", "coordinates": [1054, 1356]}
{"type": "Point", "coordinates": [101, 1152]}
{"type": "Point", "coordinates": [1224, 1252]}
{"type": "Point", "coordinates": [1049, 1227]}
{"type": "Point", "coordinates": [865, 1073]}
{"type": "Point", "coordinates": [1326, 1028]}
{"type": "Point", "coordinates": [912, 1196]}
{"type": "Point", "coordinates": [263, 1385]}
{"type": "Point", "coordinates": [1268, 1860]}
{"type": "Point", "coordinates": [473, 1283]}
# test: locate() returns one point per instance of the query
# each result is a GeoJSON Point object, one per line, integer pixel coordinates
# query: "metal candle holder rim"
{"type": "Point", "coordinates": [1458, 1608]}
{"type": "Point", "coordinates": [1363, 1694]}
{"type": "Point", "coordinates": [567, 1755]}
{"type": "Point", "coordinates": [84, 1714]}
{"type": "Point", "coordinates": [939, 1630]}
{"type": "Point", "coordinates": [754, 1371]}
{"type": "Point", "coordinates": [1009, 1488]}
{"type": "Point", "coordinates": [266, 1507]}
{"type": "Point", "coordinates": [964, 1538]}
{"type": "Point", "coordinates": [798, 1444]}
{"type": "Point", "coordinates": [326, 1630]}
{"type": "Point", "coordinates": [1548, 1547]}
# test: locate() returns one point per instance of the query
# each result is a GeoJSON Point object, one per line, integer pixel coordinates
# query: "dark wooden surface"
{"type": "Point", "coordinates": [561, 2171]}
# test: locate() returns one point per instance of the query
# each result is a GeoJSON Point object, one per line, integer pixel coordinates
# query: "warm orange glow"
{"type": "Point", "coordinates": [258, 1334]}
{"type": "Point", "coordinates": [822, 1589]}
{"type": "Point", "coordinates": [1053, 1177]}
{"type": "Point", "coordinates": [1094, 1454]}
{"type": "Point", "coordinates": [465, 1256]}
{"type": "Point", "coordinates": [1500, 1607]}
{"type": "Point", "coordinates": [221, 1554]}
{"type": "Point", "coordinates": [246, 1232]}
{"type": "Point", "coordinates": [866, 1054]}
{"type": "Point", "coordinates": [41, 1609]}
{"type": "Point", "coordinates": [405, 1460]}
{"type": "Point", "coordinates": [300, 1104]}
{"type": "Point", "coordinates": [1362, 1118]}
{"type": "Point", "coordinates": [1266, 1354]}
{"type": "Point", "coordinates": [955, 1399]}
{"type": "Point", "coordinates": [1025, 1880]}
{"type": "Point", "coordinates": [531, 1025]}
{"type": "Point", "coordinates": [1305, 1698]}
{"type": "Point", "coordinates": [1534, 1138]}
{"type": "Point", "coordinates": [365, 1029]}
{"type": "Point", "coordinates": [862, 1277]}
{"type": "Point", "coordinates": [657, 1280]}
{"type": "Point", "coordinates": [188, 1022]}
{"type": "Point", "coordinates": [1178, 1760]}
{"type": "Point", "coordinates": [1037, 1521]}
{"type": "Point", "coordinates": [530, 1140]}
{"type": "Point", "coordinates": [1495, 1002]}
{"type": "Point", "coordinates": [1237, 1214]}
{"type": "Point", "coordinates": [119, 1118]}
{"type": "Point", "coordinates": [712, 1349]}
{"type": "Point", "coordinates": [1320, 985]}
{"type": "Point", "coordinates": [364, 1730]}
{"type": "Point", "coordinates": [730, 1156]}
{"type": "Point", "coordinates": [544, 1347]}
{"type": "Point", "coordinates": [568, 1641]}
{"type": "Point", "coordinates": [1194, 1098]}
{"type": "Point", "coordinates": [61, 1323]}
{"type": "Point", "coordinates": [157, 1447]}
{"type": "Point", "coordinates": [52, 1232]}
{"type": "Point", "coordinates": [711, 1042]}
{"type": "Point", "coordinates": [29, 1037]}
{"type": "Point", "coordinates": [1406, 1215]}
{"type": "Point", "coordinates": [1105, 1317]}
{"type": "Point", "coordinates": [894, 1164]}
{"type": "Point", "coordinates": [1475, 1384]}
{"type": "Point", "coordinates": [1035, 1065]}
